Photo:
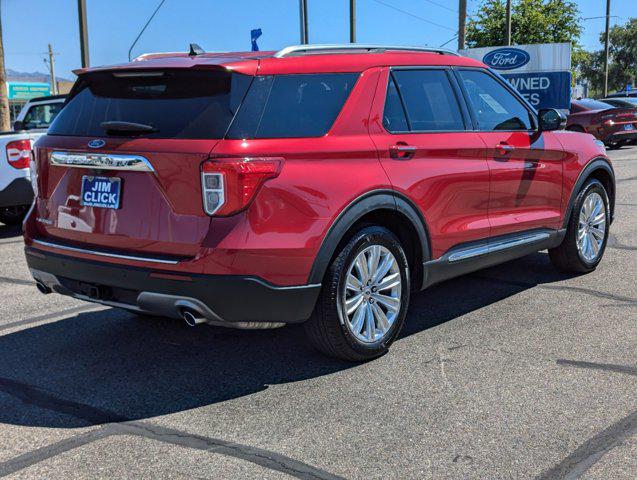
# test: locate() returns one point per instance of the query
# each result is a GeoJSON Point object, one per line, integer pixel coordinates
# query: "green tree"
{"type": "Point", "coordinates": [623, 54]}
{"type": "Point", "coordinates": [532, 21]}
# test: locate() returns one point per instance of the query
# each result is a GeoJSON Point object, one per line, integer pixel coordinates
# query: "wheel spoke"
{"type": "Point", "coordinates": [372, 261]}
{"type": "Point", "coordinates": [388, 262]}
{"type": "Point", "coordinates": [361, 266]}
{"type": "Point", "coordinates": [594, 244]}
{"type": "Point", "coordinates": [597, 233]}
{"type": "Point", "coordinates": [381, 319]}
{"type": "Point", "coordinates": [370, 328]}
{"type": "Point", "coordinates": [390, 281]}
{"type": "Point", "coordinates": [353, 283]}
{"type": "Point", "coordinates": [599, 219]}
{"type": "Point", "coordinates": [353, 303]}
{"type": "Point", "coordinates": [391, 303]}
{"type": "Point", "coordinates": [357, 321]}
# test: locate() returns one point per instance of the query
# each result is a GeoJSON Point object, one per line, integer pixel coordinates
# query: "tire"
{"type": "Point", "coordinates": [570, 257]}
{"type": "Point", "coordinates": [13, 215]}
{"type": "Point", "coordinates": [335, 333]}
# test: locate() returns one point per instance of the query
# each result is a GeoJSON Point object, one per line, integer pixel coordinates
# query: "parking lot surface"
{"type": "Point", "coordinates": [515, 371]}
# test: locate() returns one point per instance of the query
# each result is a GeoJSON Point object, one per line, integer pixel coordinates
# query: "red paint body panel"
{"type": "Point", "coordinates": [462, 185]}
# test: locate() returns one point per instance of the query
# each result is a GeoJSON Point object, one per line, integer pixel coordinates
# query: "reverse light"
{"type": "Point", "coordinates": [19, 153]}
{"type": "Point", "coordinates": [229, 184]}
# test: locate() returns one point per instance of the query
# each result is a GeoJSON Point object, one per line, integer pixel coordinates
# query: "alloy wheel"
{"type": "Point", "coordinates": [591, 229]}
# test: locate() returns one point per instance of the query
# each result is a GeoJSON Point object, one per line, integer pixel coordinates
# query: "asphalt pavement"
{"type": "Point", "coordinates": [515, 371]}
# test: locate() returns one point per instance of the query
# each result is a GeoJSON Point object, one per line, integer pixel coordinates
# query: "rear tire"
{"type": "Point", "coordinates": [360, 313]}
{"type": "Point", "coordinates": [13, 215]}
{"type": "Point", "coordinates": [587, 232]}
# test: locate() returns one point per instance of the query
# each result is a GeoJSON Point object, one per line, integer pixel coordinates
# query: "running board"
{"type": "Point", "coordinates": [466, 258]}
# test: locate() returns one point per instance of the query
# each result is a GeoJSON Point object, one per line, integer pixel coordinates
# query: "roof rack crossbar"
{"type": "Point", "coordinates": [329, 48]}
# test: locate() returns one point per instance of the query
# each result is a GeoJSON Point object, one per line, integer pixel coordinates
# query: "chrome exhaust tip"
{"type": "Point", "coordinates": [192, 318]}
{"type": "Point", "coordinates": [42, 288]}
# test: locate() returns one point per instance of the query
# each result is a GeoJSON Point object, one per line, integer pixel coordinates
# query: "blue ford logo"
{"type": "Point", "coordinates": [506, 58]}
{"type": "Point", "coordinates": [96, 143]}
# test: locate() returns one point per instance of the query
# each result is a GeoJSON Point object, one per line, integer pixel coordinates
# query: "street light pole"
{"type": "Point", "coordinates": [462, 21]}
{"type": "Point", "coordinates": [508, 23]}
{"type": "Point", "coordinates": [606, 40]}
{"type": "Point", "coordinates": [303, 18]}
{"type": "Point", "coordinates": [352, 21]}
{"type": "Point", "coordinates": [81, 14]}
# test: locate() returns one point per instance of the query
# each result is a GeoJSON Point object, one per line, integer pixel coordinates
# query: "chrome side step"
{"type": "Point", "coordinates": [496, 246]}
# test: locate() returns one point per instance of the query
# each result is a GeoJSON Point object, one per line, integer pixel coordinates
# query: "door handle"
{"type": "Point", "coordinates": [504, 147]}
{"type": "Point", "coordinates": [401, 150]}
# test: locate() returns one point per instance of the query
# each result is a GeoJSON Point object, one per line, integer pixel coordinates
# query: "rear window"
{"type": "Point", "coordinates": [287, 106]}
{"type": "Point", "coordinates": [177, 103]}
{"type": "Point", "coordinates": [41, 116]}
{"type": "Point", "coordinates": [590, 104]}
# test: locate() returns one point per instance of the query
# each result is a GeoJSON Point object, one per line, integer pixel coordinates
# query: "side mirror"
{"type": "Point", "coordinates": [551, 119]}
{"type": "Point", "coordinates": [18, 125]}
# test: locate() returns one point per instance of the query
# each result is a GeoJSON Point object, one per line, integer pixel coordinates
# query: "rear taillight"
{"type": "Point", "coordinates": [19, 153]}
{"type": "Point", "coordinates": [230, 184]}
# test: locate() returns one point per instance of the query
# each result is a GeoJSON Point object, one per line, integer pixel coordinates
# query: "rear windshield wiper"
{"type": "Point", "coordinates": [132, 127]}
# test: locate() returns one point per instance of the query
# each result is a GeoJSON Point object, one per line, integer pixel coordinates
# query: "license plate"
{"type": "Point", "coordinates": [628, 126]}
{"type": "Point", "coordinates": [102, 192]}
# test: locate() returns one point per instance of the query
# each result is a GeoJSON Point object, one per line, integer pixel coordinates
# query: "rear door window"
{"type": "Point", "coordinates": [429, 100]}
{"type": "Point", "coordinates": [287, 106]}
{"type": "Point", "coordinates": [176, 103]}
{"type": "Point", "coordinates": [494, 106]}
{"type": "Point", "coordinates": [41, 116]}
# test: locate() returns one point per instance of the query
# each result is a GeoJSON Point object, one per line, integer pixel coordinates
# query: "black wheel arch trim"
{"type": "Point", "coordinates": [382, 199]}
{"type": "Point", "coordinates": [599, 163]}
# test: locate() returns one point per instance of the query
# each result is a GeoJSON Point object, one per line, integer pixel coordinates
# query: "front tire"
{"type": "Point", "coordinates": [587, 232]}
{"type": "Point", "coordinates": [363, 304]}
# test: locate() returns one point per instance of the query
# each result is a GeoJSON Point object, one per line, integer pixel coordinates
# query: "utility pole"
{"type": "Point", "coordinates": [508, 23]}
{"type": "Point", "coordinates": [606, 40]}
{"type": "Point", "coordinates": [352, 21]}
{"type": "Point", "coordinates": [5, 117]}
{"type": "Point", "coordinates": [81, 14]}
{"type": "Point", "coordinates": [462, 22]}
{"type": "Point", "coordinates": [303, 17]}
{"type": "Point", "coordinates": [54, 83]}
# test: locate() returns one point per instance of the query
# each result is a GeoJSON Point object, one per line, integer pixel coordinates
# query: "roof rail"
{"type": "Point", "coordinates": [295, 50]}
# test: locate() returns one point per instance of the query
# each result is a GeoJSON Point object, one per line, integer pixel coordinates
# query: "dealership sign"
{"type": "Point", "coordinates": [541, 73]}
{"type": "Point", "coordinates": [26, 90]}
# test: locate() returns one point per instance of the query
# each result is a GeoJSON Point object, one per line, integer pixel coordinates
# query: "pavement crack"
{"type": "Point", "coordinates": [591, 451]}
{"type": "Point", "coordinates": [47, 316]}
{"type": "Point", "coordinates": [16, 281]}
{"type": "Point", "coordinates": [595, 293]}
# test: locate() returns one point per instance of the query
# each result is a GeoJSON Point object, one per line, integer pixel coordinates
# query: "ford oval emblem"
{"type": "Point", "coordinates": [506, 58]}
{"type": "Point", "coordinates": [97, 143]}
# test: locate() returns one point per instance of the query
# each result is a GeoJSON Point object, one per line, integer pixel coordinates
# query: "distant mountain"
{"type": "Point", "coordinates": [14, 76]}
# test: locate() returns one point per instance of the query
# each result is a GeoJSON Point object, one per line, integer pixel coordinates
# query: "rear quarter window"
{"type": "Point", "coordinates": [290, 106]}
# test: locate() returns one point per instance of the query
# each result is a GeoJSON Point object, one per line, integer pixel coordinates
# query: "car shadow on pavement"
{"type": "Point", "coordinates": [109, 366]}
{"type": "Point", "coordinates": [9, 231]}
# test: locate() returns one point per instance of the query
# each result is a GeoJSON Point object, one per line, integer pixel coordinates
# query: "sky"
{"type": "Point", "coordinates": [222, 25]}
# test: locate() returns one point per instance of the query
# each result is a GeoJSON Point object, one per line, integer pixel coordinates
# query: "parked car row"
{"type": "Point", "coordinates": [317, 184]}
{"type": "Point", "coordinates": [16, 192]}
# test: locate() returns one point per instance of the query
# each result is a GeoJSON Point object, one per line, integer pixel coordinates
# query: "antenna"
{"type": "Point", "coordinates": [195, 50]}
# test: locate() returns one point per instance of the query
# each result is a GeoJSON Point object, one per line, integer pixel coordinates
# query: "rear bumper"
{"type": "Point", "coordinates": [18, 192]}
{"type": "Point", "coordinates": [222, 299]}
{"type": "Point", "coordinates": [621, 135]}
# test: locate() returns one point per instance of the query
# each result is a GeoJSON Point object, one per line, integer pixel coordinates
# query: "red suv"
{"type": "Point", "coordinates": [317, 184]}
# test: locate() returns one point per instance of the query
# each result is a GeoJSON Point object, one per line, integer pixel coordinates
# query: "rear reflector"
{"type": "Point", "coordinates": [230, 184]}
{"type": "Point", "coordinates": [19, 153]}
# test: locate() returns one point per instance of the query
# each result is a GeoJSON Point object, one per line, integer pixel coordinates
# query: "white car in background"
{"type": "Point", "coordinates": [16, 192]}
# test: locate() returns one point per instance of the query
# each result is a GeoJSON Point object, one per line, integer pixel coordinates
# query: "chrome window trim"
{"type": "Point", "coordinates": [105, 254]}
{"type": "Point", "coordinates": [101, 161]}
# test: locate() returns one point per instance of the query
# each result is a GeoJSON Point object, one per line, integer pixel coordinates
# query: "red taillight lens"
{"type": "Point", "coordinates": [19, 153]}
{"type": "Point", "coordinates": [230, 184]}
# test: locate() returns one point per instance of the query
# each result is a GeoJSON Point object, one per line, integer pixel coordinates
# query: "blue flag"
{"type": "Point", "coordinates": [254, 35]}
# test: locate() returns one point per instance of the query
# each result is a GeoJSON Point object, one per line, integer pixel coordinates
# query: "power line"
{"type": "Point", "coordinates": [405, 12]}
{"type": "Point", "coordinates": [441, 6]}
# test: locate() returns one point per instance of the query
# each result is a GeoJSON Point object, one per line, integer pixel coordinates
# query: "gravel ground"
{"type": "Point", "coordinates": [512, 372]}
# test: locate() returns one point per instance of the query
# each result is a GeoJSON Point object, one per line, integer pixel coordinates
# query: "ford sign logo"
{"type": "Point", "coordinates": [506, 58]}
{"type": "Point", "coordinates": [96, 143]}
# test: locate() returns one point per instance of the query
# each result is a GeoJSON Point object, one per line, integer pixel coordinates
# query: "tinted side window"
{"type": "Point", "coordinates": [41, 116]}
{"type": "Point", "coordinates": [394, 115]}
{"type": "Point", "coordinates": [286, 106]}
{"type": "Point", "coordinates": [429, 99]}
{"type": "Point", "coordinates": [495, 107]}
